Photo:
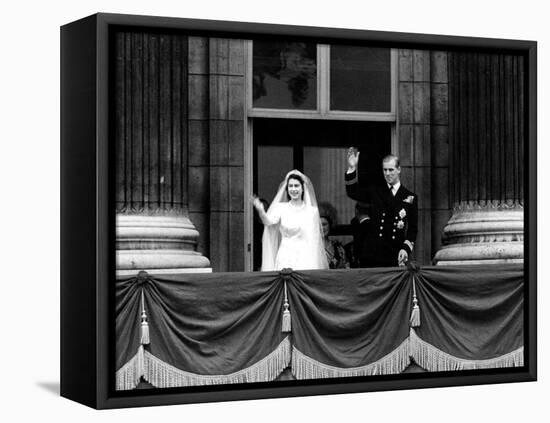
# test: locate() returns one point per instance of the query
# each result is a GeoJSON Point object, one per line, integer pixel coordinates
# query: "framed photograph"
{"type": "Point", "coordinates": [254, 211]}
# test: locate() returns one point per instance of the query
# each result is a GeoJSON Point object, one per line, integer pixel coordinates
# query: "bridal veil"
{"type": "Point", "coordinates": [312, 233]}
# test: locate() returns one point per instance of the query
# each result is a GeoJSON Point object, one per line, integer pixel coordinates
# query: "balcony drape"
{"type": "Point", "coordinates": [226, 328]}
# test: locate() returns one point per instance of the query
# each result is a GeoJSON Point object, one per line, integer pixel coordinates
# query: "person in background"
{"type": "Point", "coordinates": [336, 254]}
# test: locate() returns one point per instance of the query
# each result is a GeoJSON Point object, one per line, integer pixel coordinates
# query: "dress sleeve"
{"type": "Point", "coordinates": [273, 215]}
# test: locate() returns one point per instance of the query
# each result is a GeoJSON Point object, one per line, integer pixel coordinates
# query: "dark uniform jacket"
{"type": "Point", "coordinates": [384, 223]}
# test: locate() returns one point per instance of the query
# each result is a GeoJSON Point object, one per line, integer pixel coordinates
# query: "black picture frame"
{"type": "Point", "coordinates": [87, 219]}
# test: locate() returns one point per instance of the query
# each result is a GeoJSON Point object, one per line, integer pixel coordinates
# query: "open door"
{"type": "Point", "coordinates": [318, 148]}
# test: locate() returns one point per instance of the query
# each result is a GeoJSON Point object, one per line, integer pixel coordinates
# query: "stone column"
{"type": "Point", "coordinates": [153, 228]}
{"type": "Point", "coordinates": [486, 144]}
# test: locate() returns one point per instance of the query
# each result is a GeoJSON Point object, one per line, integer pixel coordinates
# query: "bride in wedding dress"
{"type": "Point", "coordinates": [292, 235]}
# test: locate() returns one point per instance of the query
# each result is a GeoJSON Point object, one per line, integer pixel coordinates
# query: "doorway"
{"type": "Point", "coordinates": [317, 148]}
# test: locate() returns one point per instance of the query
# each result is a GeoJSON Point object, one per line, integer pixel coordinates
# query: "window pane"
{"type": "Point", "coordinates": [273, 164]}
{"type": "Point", "coordinates": [360, 79]}
{"type": "Point", "coordinates": [284, 75]}
{"type": "Point", "coordinates": [326, 166]}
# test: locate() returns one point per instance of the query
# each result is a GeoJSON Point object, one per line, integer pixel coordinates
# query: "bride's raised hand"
{"type": "Point", "coordinates": [257, 203]}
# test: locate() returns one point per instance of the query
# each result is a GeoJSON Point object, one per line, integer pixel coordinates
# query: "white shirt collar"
{"type": "Point", "coordinates": [395, 187]}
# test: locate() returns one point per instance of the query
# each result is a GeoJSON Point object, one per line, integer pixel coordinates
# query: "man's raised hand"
{"type": "Point", "coordinates": [353, 159]}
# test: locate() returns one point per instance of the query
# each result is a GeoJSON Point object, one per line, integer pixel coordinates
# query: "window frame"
{"type": "Point", "coordinates": [323, 110]}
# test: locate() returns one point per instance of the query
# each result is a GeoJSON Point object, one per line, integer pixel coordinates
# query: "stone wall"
{"type": "Point", "coordinates": [216, 156]}
{"type": "Point", "coordinates": [423, 142]}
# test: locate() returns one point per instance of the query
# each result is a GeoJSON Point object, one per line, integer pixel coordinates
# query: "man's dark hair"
{"type": "Point", "coordinates": [390, 157]}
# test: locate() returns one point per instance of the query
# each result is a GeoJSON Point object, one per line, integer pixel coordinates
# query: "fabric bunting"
{"type": "Point", "coordinates": [203, 329]}
{"type": "Point", "coordinates": [472, 317]}
{"type": "Point", "coordinates": [225, 328]}
{"type": "Point", "coordinates": [343, 328]}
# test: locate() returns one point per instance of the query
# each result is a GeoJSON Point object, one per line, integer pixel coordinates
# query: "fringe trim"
{"type": "Point", "coordinates": [129, 375]}
{"type": "Point", "coordinates": [434, 360]}
{"type": "Point", "coordinates": [304, 367]}
{"type": "Point", "coordinates": [163, 375]}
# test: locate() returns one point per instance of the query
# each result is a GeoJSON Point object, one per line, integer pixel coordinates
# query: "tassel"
{"type": "Point", "coordinates": [144, 324]}
{"type": "Point", "coordinates": [415, 315]}
{"type": "Point", "coordinates": [414, 321]}
{"type": "Point", "coordinates": [287, 323]}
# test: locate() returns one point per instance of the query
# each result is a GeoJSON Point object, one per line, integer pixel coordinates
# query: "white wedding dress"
{"type": "Point", "coordinates": [292, 236]}
{"type": "Point", "coordinates": [296, 224]}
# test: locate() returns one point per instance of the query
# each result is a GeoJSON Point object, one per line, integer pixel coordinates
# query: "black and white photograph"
{"type": "Point", "coordinates": [272, 211]}
{"type": "Point", "coordinates": [290, 209]}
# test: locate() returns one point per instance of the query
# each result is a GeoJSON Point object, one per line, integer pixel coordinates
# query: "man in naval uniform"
{"type": "Point", "coordinates": [386, 221]}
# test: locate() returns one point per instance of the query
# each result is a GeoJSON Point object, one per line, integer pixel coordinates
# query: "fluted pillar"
{"type": "Point", "coordinates": [486, 139]}
{"type": "Point", "coordinates": [153, 229]}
